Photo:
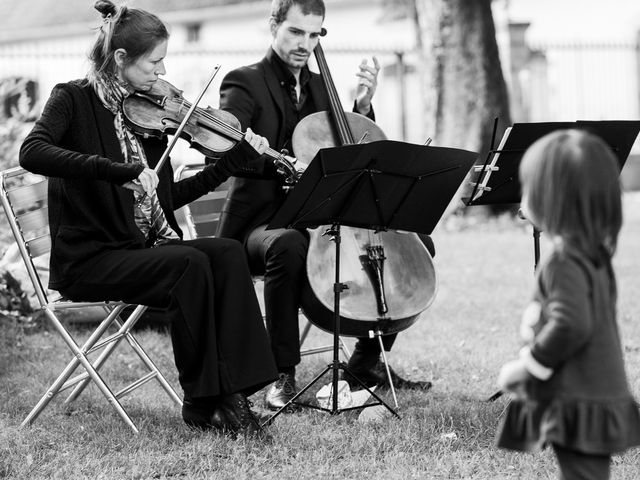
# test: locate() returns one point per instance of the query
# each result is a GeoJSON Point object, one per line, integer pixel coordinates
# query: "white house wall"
{"type": "Point", "coordinates": [561, 85]}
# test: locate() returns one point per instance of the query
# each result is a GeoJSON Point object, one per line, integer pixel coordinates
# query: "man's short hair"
{"type": "Point", "coordinates": [280, 8]}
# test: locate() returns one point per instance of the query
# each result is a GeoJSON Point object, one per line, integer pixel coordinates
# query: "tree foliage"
{"type": "Point", "coordinates": [17, 112]}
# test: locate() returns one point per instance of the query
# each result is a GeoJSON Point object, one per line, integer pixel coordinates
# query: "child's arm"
{"type": "Point", "coordinates": [513, 375]}
{"type": "Point", "coordinates": [568, 317]}
{"type": "Point", "coordinates": [563, 326]}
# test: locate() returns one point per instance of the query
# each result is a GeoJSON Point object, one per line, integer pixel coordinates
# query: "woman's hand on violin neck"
{"type": "Point", "coordinates": [258, 143]}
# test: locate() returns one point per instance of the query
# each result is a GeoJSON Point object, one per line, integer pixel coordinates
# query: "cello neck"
{"type": "Point", "coordinates": [340, 119]}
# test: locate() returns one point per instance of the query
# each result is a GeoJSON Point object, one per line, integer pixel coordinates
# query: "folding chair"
{"type": "Point", "coordinates": [202, 217]}
{"type": "Point", "coordinates": [24, 198]}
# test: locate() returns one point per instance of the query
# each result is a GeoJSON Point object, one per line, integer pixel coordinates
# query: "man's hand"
{"type": "Point", "coordinates": [367, 84]}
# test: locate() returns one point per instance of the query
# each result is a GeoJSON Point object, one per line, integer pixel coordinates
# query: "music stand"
{"type": "Point", "coordinates": [380, 186]}
{"type": "Point", "coordinates": [498, 182]}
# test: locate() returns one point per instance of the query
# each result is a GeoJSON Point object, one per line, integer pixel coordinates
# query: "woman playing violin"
{"type": "Point", "coordinates": [115, 236]}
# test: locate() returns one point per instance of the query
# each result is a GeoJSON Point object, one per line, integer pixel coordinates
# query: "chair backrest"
{"type": "Point", "coordinates": [24, 199]}
{"type": "Point", "coordinates": [202, 215]}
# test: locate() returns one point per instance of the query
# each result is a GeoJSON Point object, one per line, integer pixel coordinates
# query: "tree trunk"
{"type": "Point", "coordinates": [464, 89]}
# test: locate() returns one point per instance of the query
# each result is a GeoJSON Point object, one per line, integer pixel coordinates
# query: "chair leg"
{"type": "Point", "coordinates": [51, 392]}
{"type": "Point", "coordinates": [153, 368]}
{"type": "Point", "coordinates": [58, 384]}
{"type": "Point", "coordinates": [124, 332]}
{"type": "Point", "coordinates": [106, 352]}
{"type": "Point", "coordinates": [327, 348]}
{"type": "Point", "coordinates": [106, 391]}
{"type": "Point", "coordinates": [82, 359]}
{"type": "Point", "coordinates": [88, 345]}
{"type": "Point", "coordinates": [345, 349]}
{"type": "Point", "coordinates": [305, 332]}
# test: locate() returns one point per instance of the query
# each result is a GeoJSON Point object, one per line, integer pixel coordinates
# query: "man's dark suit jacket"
{"type": "Point", "coordinates": [254, 95]}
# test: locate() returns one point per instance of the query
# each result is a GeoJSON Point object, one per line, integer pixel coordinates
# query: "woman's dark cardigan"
{"type": "Point", "coordinates": [74, 143]}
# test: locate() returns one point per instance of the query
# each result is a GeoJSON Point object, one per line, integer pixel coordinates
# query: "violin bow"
{"type": "Point", "coordinates": [180, 128]}
{"type": "Point", "coordinates": [183, 124]}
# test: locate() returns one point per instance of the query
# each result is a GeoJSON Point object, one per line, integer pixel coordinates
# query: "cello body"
{"type": "Point", "coordinates": [409, 280]}
{"type": "Point", "coordinates": [316, 131]}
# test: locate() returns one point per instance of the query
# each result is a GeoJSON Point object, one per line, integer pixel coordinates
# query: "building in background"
{"type": "Point", "coordinates": [575, 60]}
{"type": "Point", "coordinates": [558, 65]}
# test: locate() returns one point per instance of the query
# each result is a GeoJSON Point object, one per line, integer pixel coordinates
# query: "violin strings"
{"type": "Point", "coordinates": [341, 124]}
{"type": "Point", "coordinates": [224, 127]}
{"type": "Point", "coordinates": [232, 132]}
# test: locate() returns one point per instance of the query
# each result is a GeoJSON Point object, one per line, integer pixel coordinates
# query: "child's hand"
{"type": "Point", "coordinates": [512, 377]}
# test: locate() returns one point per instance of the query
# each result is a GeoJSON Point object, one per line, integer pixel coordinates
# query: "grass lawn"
{"type": "Point", "coordinates": [485, 275]}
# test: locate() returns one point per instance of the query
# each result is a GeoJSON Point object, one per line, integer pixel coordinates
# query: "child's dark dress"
{"type": "Point", "coordinates": [571, 327]}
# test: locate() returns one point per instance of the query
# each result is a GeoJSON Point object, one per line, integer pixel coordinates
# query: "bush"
{"type": "Point", "coordinates": [17, 112]}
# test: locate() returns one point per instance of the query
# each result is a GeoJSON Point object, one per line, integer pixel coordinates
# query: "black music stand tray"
{"type": "Point", "coordinates": [497, 181]}
{"type": "Point", "coordinates": [380, 186]}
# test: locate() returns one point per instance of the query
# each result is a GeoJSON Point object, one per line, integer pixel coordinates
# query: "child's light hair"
{"type": "Point", "coordinates": [570, 182]}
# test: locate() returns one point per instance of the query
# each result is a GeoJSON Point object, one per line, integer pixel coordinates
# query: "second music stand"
{"type": "Point", "coordinates": [379, 186]}
{"type": "Point", "coordinates": [497, 178]}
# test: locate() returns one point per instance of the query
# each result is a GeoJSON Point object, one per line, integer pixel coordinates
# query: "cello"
{"type": "Point", "coordinates": [389, 277]}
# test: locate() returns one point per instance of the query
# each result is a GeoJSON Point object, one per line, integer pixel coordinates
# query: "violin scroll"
{"type": "Point", "coordinates": [286, 168]}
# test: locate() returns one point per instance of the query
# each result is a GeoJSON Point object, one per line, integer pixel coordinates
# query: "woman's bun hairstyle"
{"type": "Point", "coordinates": [105, 7]}
{"type": "Point", "coordinates": [133, 30]}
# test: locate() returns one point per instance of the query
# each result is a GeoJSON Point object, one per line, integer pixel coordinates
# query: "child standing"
{"type": "Point", "coordinates": [569, 387]}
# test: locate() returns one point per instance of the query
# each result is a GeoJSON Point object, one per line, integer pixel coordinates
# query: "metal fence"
{"type": "Point", "coordinates": [582, 81]}
{"type": "Point", "coordinates": [572, 81]}
{"type": "Point", "coordinates": [593, 81]}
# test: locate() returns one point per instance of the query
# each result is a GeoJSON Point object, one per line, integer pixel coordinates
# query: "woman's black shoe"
{"type": "Point", "coordinates": [239, 418]}
{"type": "Point", "coordinates": [202, 416]}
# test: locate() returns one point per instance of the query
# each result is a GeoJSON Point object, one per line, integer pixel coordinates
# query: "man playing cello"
{"type": "Point", "coordinates": [271, 97]}
{"type": "Point", "coordinates": [115, 236]}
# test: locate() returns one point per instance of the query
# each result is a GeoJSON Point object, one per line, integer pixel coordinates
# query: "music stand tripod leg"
{"type": "Point", "coordinates": [386, 367]}
{"type": "Point", "coordinates": [536, 248]}
{"type": "Point", "coordinates": [335, 366]}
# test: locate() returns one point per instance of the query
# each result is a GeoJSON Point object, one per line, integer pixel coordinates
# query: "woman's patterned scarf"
{"type": "Point", "coordinates": [149, 216]}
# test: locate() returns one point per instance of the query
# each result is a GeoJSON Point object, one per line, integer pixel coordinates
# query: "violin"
{"type": "Point", "coordinates": [160, 111]}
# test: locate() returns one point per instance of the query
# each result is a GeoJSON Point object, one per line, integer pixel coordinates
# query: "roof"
{"type": "Point", "coordinates": [25, 20]}
{"type": "Point", "coordinates": [20, 20]}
